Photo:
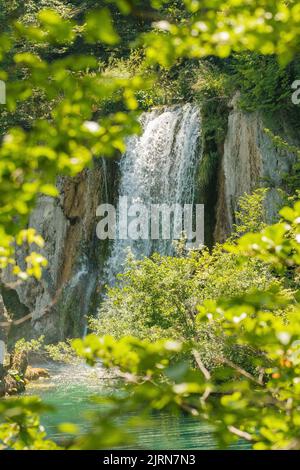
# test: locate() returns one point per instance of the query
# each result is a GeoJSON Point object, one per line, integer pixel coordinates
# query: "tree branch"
{"type": "Point", "coordinates": [243, 434]}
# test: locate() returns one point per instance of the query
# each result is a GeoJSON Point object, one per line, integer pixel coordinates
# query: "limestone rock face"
{"type": "Point", "coordinates": [62, 299]}
{"type": "Point", "coordinates": [249, 159]}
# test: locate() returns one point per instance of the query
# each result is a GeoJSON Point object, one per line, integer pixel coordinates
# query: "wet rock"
{"type": "Point", "coordinates": [34, 373]}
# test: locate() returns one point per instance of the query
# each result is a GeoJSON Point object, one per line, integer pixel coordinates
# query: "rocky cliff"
{"type": "Point", "coordinates": [65, 295]}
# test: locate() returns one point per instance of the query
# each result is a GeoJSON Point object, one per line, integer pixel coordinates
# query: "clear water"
{"type": "Point", "coordinates": [70, 388]}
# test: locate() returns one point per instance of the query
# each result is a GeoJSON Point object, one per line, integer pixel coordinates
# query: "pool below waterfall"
{"type": "Point", "coordinates": [70, 390]}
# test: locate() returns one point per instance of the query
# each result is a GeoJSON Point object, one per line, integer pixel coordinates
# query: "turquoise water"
{"type": "Point", "coordinates": [70, 389]}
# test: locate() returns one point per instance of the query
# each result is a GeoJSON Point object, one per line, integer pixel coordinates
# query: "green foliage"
{"type": "Point", "coordinates": [157, 297]}
{"type": "Point", "coordinates": [61, 352]}
{"type": "Point", "coordinates": [292, 179]}
{"type": "Point", "coordinates": [264, 85]}
{"type": "Point", "coordinates": [104, 33]}
{"type": "Point", "coordinates": [211, 88]}
{"type": "Point", "coordinates": [20, 427]}
{"type": "Point", "coordinates": [30, 160]}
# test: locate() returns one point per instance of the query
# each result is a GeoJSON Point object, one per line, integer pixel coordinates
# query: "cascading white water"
{"type": "Point", "coordinates": [159, 167]}
{"type": "Point", "coordinates": [105, 179]}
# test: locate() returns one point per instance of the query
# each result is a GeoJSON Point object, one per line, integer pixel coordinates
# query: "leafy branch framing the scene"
{"type": "Point", "coordinates": [263, 409]}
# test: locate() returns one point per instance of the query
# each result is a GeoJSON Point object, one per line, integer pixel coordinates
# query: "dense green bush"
{"type": "Point", "coordinates": [256, 399]}
{"type": "Point", "coordinates": [157, 297]}
{"type": "Point", "coordinates": [263, 83]}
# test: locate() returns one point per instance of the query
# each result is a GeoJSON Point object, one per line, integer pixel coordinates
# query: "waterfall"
{"type": "Point", "coordinates": [105, 179]}
{"type": "Point", "coordinates": [159, 167]}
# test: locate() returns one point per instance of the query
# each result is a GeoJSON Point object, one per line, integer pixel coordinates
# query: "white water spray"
{"type": "Point", "coordinates": [159, 167]}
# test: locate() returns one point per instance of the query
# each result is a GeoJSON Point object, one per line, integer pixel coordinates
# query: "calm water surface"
{"type": "Point", "coordinates": [70, 389]}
